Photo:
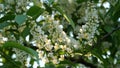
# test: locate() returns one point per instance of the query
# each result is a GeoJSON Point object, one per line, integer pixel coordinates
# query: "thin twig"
{"type": "Point", "coordinates": [110, 32]}
{"type": "Point", "coordinates": [82, 61]}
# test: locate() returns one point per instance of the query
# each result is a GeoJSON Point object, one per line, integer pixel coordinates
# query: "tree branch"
{"type": "Point", "coordinates": [81, 61]}
{"type": "Point", "coordinates": [110, 32]}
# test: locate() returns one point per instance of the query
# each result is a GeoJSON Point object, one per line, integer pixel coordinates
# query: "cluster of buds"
{"type": "Point", "coordinates": [20, 55]}
{"type": "Point", "coordinates": [19, 5]}
{"type": "Point", "coordinates": [52, 41]}
{"type": "Point", "coordinates": [88, 31]}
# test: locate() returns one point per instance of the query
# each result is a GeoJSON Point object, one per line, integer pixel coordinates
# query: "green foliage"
{"type": "Point", "coordinates": [25, 32]}
{"type": "Point", "coordinates": [8, 16]}
{"type": "Point", "coordinates": [50, 65]}
{"type": "Point", "coordinates": [20, 19]}
{"type": "Point", "coordinates": [10, 65]}
{"type": "Point", "coordinates": [4, 24]}
{"type": "Point", "coordinates": [35, 11]}
{"type": "Point", "coordinates": [66, 17]}
{"type": "Point", "coordinates": [17, 22]}
{"type": "Point", "coordinates": [21, 47]}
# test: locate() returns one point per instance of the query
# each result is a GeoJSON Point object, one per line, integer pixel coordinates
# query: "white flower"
{"type": "Point", "coordinates": [1, 39]}
{"type": "Point", "coordinates": [56, 47]}
{"type": "Point", "coordinates": [40, 53]}
{"type": "Point", "coordinates": [89, 29]}
{"type": "Point", "coordinates": [61, 57]}
{"type": "Point", "coordinates": [48, 47]}
{"type": "Point", "coordinates": [63, 47]}
{"type": "Point", "coordinates": [69, 50]}
{"type": "Point", "coordinates": [55, 60]}
{"type": "Point", "coordinates": [45, 60]}
{"type": "Point", "coordinates": [81, 30]}
{"type": "Point", "coordinates": [50, 54]}
{"type": "Point", "coordinates": [20, 55]}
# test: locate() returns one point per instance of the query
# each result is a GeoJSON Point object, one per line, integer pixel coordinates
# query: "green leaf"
{"type": "Point", "coordinates": [66, 17]}
{"type": "Point", "coordinates": [25, 32]}
{"type": "Point", "coordinates": [21, 47]}
{"type": "Point", "coordinates": [1, 1]}
{"type": "Point", "coordinates": [35, 11]}
{"type": "Point", "coordinates": [48, 8]}
{"type": "Point", "coordinates": [20, 19]}
{"type": "Point", "coordinates": [8, 16]}
{"type": "Point", "coordinates": [61, 66]}
{"type": "Point", "coordinates": [4, 24]}
{"type": "Point", "coordinates": [50, 1]}
{"type": "Point", "coordinates": [67, 62]}
{"type": "Point", "coordinates": [98, 53]}
{"type": "Point", "coordinates": [108, 28]}
{"type": "Point", "coordinates": [61, 52]}
{"type": "Point", "coordinates": [14, 32]}
{"type": "Point", "coordinates": [49, 65]}
{"type": "Point", "coordinates": [37, 3]}
{"type": "Point", "coordinates": [80, 1]}
{"type": "Point", "coordinates": [8, 64]}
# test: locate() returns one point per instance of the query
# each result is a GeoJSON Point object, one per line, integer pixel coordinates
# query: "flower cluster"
{"type": "Point", "coordinates": [8, 6]}
{"type": "Point", "coordinates": [69, 6]}
{"type": "Point", "coordinates": [88, 31]}
{"type": "Point", "coordinates": [49, 37]}
{"type": "Point", "coordinates": [20, 55]}
{"type": "Point", "coordinates": [52, 41]}
{"type": "Point", "coordinates": [20, 5]}
{"type": "Point", "coordinates": [86, 14]}
{"type": "Point", "coordinates": [2, 39]}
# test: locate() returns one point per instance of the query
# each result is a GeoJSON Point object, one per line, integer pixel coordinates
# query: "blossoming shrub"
{"type": "Point", "coordinates": [58, 33]}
